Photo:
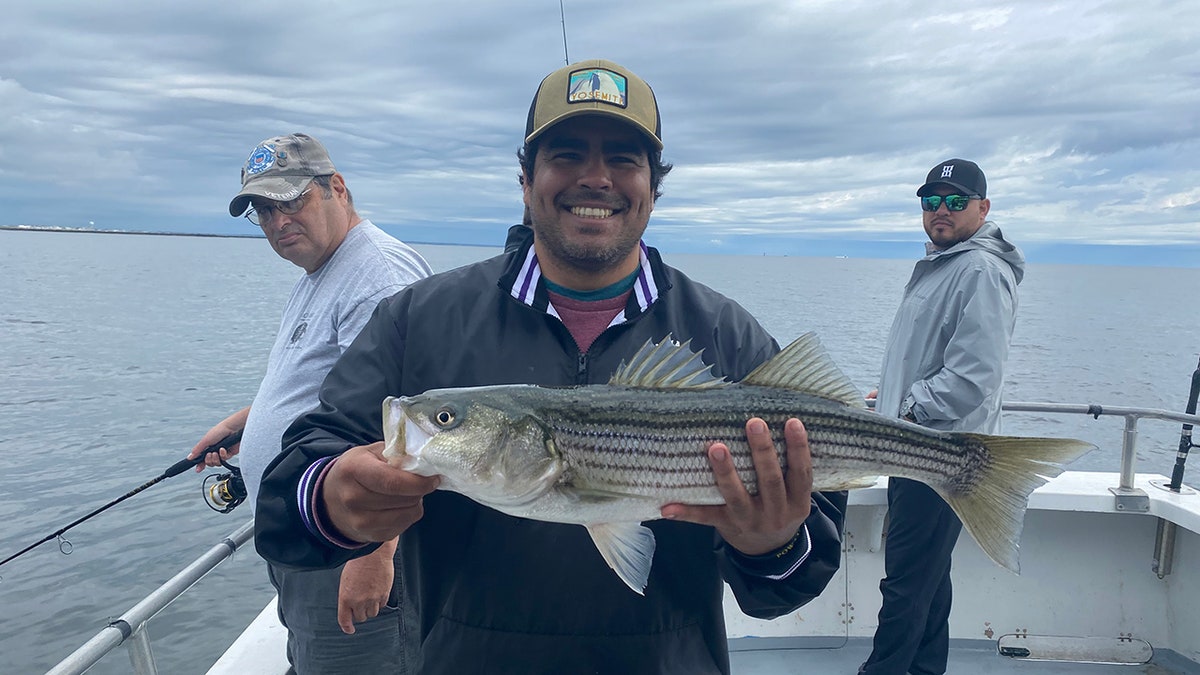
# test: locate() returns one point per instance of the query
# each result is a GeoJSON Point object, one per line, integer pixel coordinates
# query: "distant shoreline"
{"type": "Point", "coordinates": [1185, 256]}
{"type": "Point", "coordinates": [89, 230]}
{"type": "Point", "coordinates": [92, 230]}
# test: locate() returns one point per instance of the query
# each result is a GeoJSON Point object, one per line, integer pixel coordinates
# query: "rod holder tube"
{"type": "Point", "coordinates": [141, 657]}
{"type": "Point", "coordinates": [1164, 548]}
{"type": "Point", "coordinates": [1128, 452]}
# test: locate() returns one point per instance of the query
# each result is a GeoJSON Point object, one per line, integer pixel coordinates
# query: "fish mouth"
{"type": "Point", "coordinates": [411, 433]}
{"type": "Point", "coordinates": [398, 430]}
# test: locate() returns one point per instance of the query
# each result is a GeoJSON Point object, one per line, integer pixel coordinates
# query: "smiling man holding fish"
{"type": "Point", "coordinates": [491, 592]}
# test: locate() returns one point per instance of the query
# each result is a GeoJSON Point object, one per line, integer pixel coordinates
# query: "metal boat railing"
{"type": "Point", "coordinates": [1128, 497]}
{"type": "Point", "coordinates": [130, 628]}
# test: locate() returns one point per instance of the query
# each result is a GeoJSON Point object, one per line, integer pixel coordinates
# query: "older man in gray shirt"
{"type": "Point", "coordinates": [294, 193]}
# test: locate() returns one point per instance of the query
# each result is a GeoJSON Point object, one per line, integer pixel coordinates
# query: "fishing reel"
{"type": "Point", "coordinates": [224, 492]}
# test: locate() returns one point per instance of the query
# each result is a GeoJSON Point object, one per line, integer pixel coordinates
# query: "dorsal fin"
{"type": "Point", "coordinates": [806, 367]}
{"type": "Point", "coordinates": [666, 365]}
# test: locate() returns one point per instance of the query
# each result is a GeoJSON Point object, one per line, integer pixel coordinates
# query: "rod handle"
{"type": "Point", "coordinates": [185, 464]}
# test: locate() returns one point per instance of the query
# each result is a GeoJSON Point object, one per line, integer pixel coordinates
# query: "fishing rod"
{"type": "Point", "coordinates": [562, 15]}
{"type": "Point", "coordinates": [1185, 436]}
{"type": "Point", "coordinates": [1164, 538]}
{"type": "Point", "coordinates": [227, 492]}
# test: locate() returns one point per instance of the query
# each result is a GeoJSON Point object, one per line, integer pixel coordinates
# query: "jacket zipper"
{"type": "Point", "coordinates": [581, 366]}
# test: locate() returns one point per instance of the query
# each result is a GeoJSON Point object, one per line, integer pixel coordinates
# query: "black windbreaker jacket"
{"type": "Point", "coordinates": [489, 593]}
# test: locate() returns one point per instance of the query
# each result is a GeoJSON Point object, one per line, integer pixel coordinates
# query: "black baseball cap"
{"type": "Point", "coordinates": [959, 174]}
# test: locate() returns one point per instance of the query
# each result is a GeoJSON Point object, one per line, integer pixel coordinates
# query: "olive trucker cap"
{"type": "Point", "coordinates": [959, 174]}
{"type": "Point", "coordinates": [280, 168]}
{"type": "Point", "coordinates": [596, 87]}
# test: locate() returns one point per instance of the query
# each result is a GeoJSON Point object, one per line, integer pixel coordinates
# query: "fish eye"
{"type": "Point", "coordinates": [444, 417]}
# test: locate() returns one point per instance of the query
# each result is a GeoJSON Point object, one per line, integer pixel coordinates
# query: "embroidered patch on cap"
{"type": "Point", "coordinates": [597, 85]}
{"type": "Point", "coordinates": [261, 159]}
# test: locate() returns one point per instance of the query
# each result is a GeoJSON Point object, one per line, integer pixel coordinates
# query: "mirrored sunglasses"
{"type": "Point", "coordinates": [953, 202]}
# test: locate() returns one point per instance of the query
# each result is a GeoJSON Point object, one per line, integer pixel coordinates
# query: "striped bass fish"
{"type": "Point", "coordinates": [608, 457]}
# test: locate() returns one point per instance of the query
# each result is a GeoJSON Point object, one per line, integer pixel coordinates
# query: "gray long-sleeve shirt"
{"type": "Point", "coordinates": [949, 342]}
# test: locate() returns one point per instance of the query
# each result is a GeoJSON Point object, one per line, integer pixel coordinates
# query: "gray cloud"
{"type": "Point", "coordinates": [784, 119]}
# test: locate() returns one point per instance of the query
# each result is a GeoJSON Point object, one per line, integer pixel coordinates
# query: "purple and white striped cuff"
{"type": "Point", "coordinates": [308, 493]}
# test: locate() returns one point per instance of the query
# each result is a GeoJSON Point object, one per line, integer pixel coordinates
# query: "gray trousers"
{"type": "Point", "coordinates": [316, 644]}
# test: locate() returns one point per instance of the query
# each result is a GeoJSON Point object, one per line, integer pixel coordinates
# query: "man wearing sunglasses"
{"type": "Point", "coordinates": [943, 368]}
{"type": "Point", "coordinates": [291, 190]}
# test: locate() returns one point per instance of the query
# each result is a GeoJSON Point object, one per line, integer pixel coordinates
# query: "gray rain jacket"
{"type": "Point", "coordinates": [949, 342]}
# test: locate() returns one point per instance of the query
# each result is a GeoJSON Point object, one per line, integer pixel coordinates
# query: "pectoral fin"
{"type": "Point", "coordinates": [628, 548]}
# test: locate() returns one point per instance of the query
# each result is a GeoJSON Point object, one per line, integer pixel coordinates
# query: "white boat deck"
{"type": "Point", "coordinates": [261, 648]}
{"type": "Point", "coordinates": [967, 657]}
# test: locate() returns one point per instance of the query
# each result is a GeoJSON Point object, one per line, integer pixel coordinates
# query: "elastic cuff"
{"type": "Point", "coordinates": [312, 511]}
{"type": "Point", "coordinates": [778, 564]}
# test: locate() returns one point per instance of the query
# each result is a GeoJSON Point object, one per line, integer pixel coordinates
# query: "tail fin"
{"type": "Point", "coordinates": [993, 509]}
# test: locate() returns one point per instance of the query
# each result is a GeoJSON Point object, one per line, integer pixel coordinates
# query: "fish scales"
{"type": "Point", "coordinates": [607, 457]}
{"type": "Point", "coordinates": [633, 438]}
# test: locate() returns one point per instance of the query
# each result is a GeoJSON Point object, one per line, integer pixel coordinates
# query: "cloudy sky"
{"type": "Point", "coordinates": [797, 127]}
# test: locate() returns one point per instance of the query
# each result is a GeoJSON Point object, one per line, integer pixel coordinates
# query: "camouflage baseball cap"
{"type": "Point", "coordinates": [280, 168]}
{"type": "Point", "coordinates": [594, 87]}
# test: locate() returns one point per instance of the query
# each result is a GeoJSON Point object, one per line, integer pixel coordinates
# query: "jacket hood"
{"type": "Point", "coordinates": [989, 238]}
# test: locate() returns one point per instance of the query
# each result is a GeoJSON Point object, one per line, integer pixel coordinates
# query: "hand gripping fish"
{"type": "Point", "coordinates": [610, 456]}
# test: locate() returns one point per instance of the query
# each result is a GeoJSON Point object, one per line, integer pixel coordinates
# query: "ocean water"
{"type": "Point", "coordinates": [118, 351]}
